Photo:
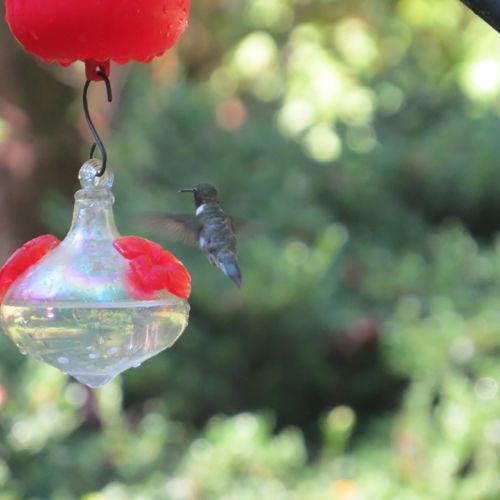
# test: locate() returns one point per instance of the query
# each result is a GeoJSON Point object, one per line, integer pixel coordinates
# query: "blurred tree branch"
{"type": "Point", "coordinates": [488, 10]}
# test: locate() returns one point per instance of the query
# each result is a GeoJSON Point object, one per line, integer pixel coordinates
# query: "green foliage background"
{"type": "Point", "coordinates": [360, 359]}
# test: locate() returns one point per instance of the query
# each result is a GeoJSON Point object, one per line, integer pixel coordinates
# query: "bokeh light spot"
{"type": "Point", "coordinates": [230, 114]}
{"type": "Point", "coordinates": [323, 144]}
{"type": "Point", "coordinates": [4, 130]}
{"type": "Point", "coordinates": [269, 86]}
{"type": "Point", "coordinates": [390, 98]}
{"type": "Point", "coordinates": [273, 14]}
{"type": "Point", "coordinates": [492, 432]}
{"type": "Point", "coordinates": [345, 489]}
{"type": "Point", "coordinates": [361, 139]}
{"type": "Point", "coordinates": [296, 116]}
{"type": "Point", "coordinates": [76, 395]}
{"type": "Point", "coordinates": [357, 106]}
{"type": "Point", "coordinates": [255, 53]}
{"type": "Point", "coordinates": [481, 79]}
{"type": "Point", "coordinates": [341, 418]}
{"type": "Point", "coordinates": [486, 388]}
{"type": "Point", "coordinates": [354, 42]}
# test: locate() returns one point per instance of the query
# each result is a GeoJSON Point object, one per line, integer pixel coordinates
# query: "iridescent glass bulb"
{"type": "Point", "coordinates": [73, 309]}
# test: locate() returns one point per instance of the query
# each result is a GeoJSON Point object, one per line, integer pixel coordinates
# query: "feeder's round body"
{"type": "Point", "coordinates": [94, 342]}
{"type": "Point", "coordinates": [74, 308]}
{"type": "Point", "coordinates": [97, 30]}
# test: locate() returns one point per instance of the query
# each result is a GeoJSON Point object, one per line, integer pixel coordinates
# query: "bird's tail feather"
{"type": "Point", "coordinates": [232, 270]}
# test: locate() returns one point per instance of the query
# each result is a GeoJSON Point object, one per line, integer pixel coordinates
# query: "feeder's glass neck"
{"type": "Point", "coordinates": [93, 217]}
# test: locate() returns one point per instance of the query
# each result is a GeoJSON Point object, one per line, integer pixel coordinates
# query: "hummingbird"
{"type": "Point", "coordinates": [209, 228]}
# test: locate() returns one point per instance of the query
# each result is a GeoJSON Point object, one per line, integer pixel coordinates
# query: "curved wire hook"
{"type": "Point", "coordinates": [98, 142]}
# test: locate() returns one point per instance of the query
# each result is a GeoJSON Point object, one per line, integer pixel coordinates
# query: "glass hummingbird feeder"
{"type": "Point", "coordinates": [96, 303]}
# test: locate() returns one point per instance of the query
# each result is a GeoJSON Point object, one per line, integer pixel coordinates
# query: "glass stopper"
{"type": "Point", "coordinates": [89, 175]}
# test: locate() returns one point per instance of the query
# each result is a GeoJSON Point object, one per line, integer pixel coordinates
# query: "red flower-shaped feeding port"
{"type": "Point", "coordinates": [152, 269]}
{"type": "Point", "coordinates": [24, 258]}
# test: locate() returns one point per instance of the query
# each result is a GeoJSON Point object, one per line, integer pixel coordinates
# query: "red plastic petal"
{"type": "Point", "coordinates": [147, 275]}
{"type": "Point", "coordinates": [152, 268]}
{"type": "Point", "coordinates": [24, 258]}
{"type": "Point", "coordinates": [37, 248]}
{"type": "Point", "coordinates": [168, 258]}
{"type": "Point", "coordinates": [178, 280]}
{"type": "Point", "coordinates": [133, 246]}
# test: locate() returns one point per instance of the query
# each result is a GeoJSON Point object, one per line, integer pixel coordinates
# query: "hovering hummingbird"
{"type": "Point", "coordinates": [210, 228]}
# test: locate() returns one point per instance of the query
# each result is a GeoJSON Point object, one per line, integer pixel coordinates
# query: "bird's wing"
{"type": "Point", "coordinates": [245, 228]}
{"type": "Point", "coordinates": [176, 227]}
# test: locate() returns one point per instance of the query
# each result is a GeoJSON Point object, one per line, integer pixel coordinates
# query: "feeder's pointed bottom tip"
{"type": "Point", "coordinates": [93, 381]}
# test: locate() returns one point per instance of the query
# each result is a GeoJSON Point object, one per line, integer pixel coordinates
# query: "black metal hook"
{"type": "Point", "coordinates": [98, 142]}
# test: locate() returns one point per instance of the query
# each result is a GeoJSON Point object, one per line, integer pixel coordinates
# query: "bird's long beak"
{"type": "Point", "coordinates": [190, 190]}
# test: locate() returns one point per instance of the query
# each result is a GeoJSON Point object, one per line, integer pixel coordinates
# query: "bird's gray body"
{"type": "Point", "coordinates": [217, 239]}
